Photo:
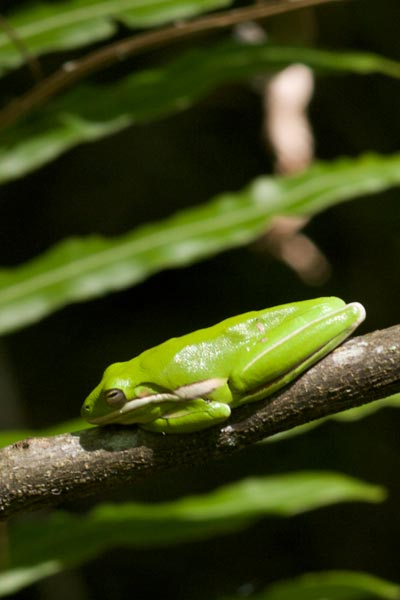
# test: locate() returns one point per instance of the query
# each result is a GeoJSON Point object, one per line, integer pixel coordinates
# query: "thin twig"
{"type": "Point", "coordinates": [31, 60]}
{"type": "Point", "coordinates": [41, 471]}
{"type": "Point", "coordinates": [72, 72]}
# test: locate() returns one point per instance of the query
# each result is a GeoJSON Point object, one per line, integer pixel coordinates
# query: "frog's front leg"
{"type": "Point", "coordinates": [189, 416]}
{"type": "Point", "coordinates": [282, 353]}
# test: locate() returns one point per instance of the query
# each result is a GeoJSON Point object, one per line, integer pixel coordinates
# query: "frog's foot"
{"type": "Point", "coordinates": [193, 415]}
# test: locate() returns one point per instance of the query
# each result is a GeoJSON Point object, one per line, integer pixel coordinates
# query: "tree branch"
{"type": "Point", "coordinates": [72, 72]}
{"type": "Point", "coordinates": [42, 471]}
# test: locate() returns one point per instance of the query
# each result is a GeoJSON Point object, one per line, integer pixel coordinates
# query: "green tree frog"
{"type": "Point", "coordinates": [192, 382]}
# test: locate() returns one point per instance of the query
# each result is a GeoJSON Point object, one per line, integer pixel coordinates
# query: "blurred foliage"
{"type": "Point", "coordinates": [51, 26]}
{"type": "Point", "coordinates": [331, 585]}
{"type": "Point", "coordinates": [55, 540]}
{"type": "Point", "coordinates": [89, 113]}
{"type": "Point", "coordinates": [179, 131]}
{"type": "Point", "coordinates": [81, 269]}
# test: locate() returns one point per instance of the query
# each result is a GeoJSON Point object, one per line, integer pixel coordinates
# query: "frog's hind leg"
{"type": "Point", "coordinates": [283, 352]}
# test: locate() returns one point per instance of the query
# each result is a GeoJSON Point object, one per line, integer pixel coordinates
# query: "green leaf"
{"type": "Point", "coordinates": [63, 540]}
{"type": "Point", "coordinates": [46, 27]}
{"type": "Point", "coordinates": [360, 412]}
{"type": "Point", "coordinates": [89, 113]}
{"type": "Point", "coordinates": [352, 414]}
{"type": "Point", "coordinates": [83, 268]}
{"type": "Point", "coordinates": [13, 580]}
{"type": "Point", "coordinates": [330, 585]}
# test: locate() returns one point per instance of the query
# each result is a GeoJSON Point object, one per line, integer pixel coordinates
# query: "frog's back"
{"type": "Point", "coordinates": [218, 343]}
{"type": "Point", "coordinates": [209, 352]}
{"type": "Point", "coordinates": [201, 354]}
{"type": "Point", "coordinates": [213, 351]}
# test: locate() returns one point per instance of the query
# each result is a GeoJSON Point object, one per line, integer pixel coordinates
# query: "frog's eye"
{"type": "Point", "coordinates": [115, 398]}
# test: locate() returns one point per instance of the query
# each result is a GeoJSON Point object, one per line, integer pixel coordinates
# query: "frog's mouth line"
{"type": "Point", "coordinates": [192, 391]}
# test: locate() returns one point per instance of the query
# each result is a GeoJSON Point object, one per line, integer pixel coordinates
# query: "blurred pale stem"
{"type": "Point", "coordinates": [288, 131]}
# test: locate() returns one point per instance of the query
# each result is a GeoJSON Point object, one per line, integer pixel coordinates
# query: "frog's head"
{"type": "Point", "coordinates": [110, 395]}
{"type": "Point", "coordinates": [122, 397]}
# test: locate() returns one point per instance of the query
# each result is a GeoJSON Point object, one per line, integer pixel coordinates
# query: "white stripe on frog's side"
{"type": "Point", "coordinates": [199, 389]}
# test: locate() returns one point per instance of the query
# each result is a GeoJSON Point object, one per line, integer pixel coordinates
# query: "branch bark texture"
{"type": "Point", "coordinates": [42, 471]}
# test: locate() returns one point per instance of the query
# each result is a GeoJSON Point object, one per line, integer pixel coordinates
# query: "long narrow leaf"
{"type": "Point", "coordinates": [330, 585]}
{"type": "Point", "coordinates": [49, 545]}
{"type": "Point", "coordinates": [353, 414]}
{"type": "Point", "coordinates": [89, 113]}
{"type": "Point", "coordinates": [45, 26]}
{"type": "Point", "coordinates": [84, 268]}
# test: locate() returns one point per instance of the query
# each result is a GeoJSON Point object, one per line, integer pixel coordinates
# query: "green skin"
{"type": "Point", "coordinates": [192, 382]}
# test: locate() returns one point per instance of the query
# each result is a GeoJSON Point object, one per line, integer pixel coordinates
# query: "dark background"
{"type": "Point", "coordinates": [148, 172]}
